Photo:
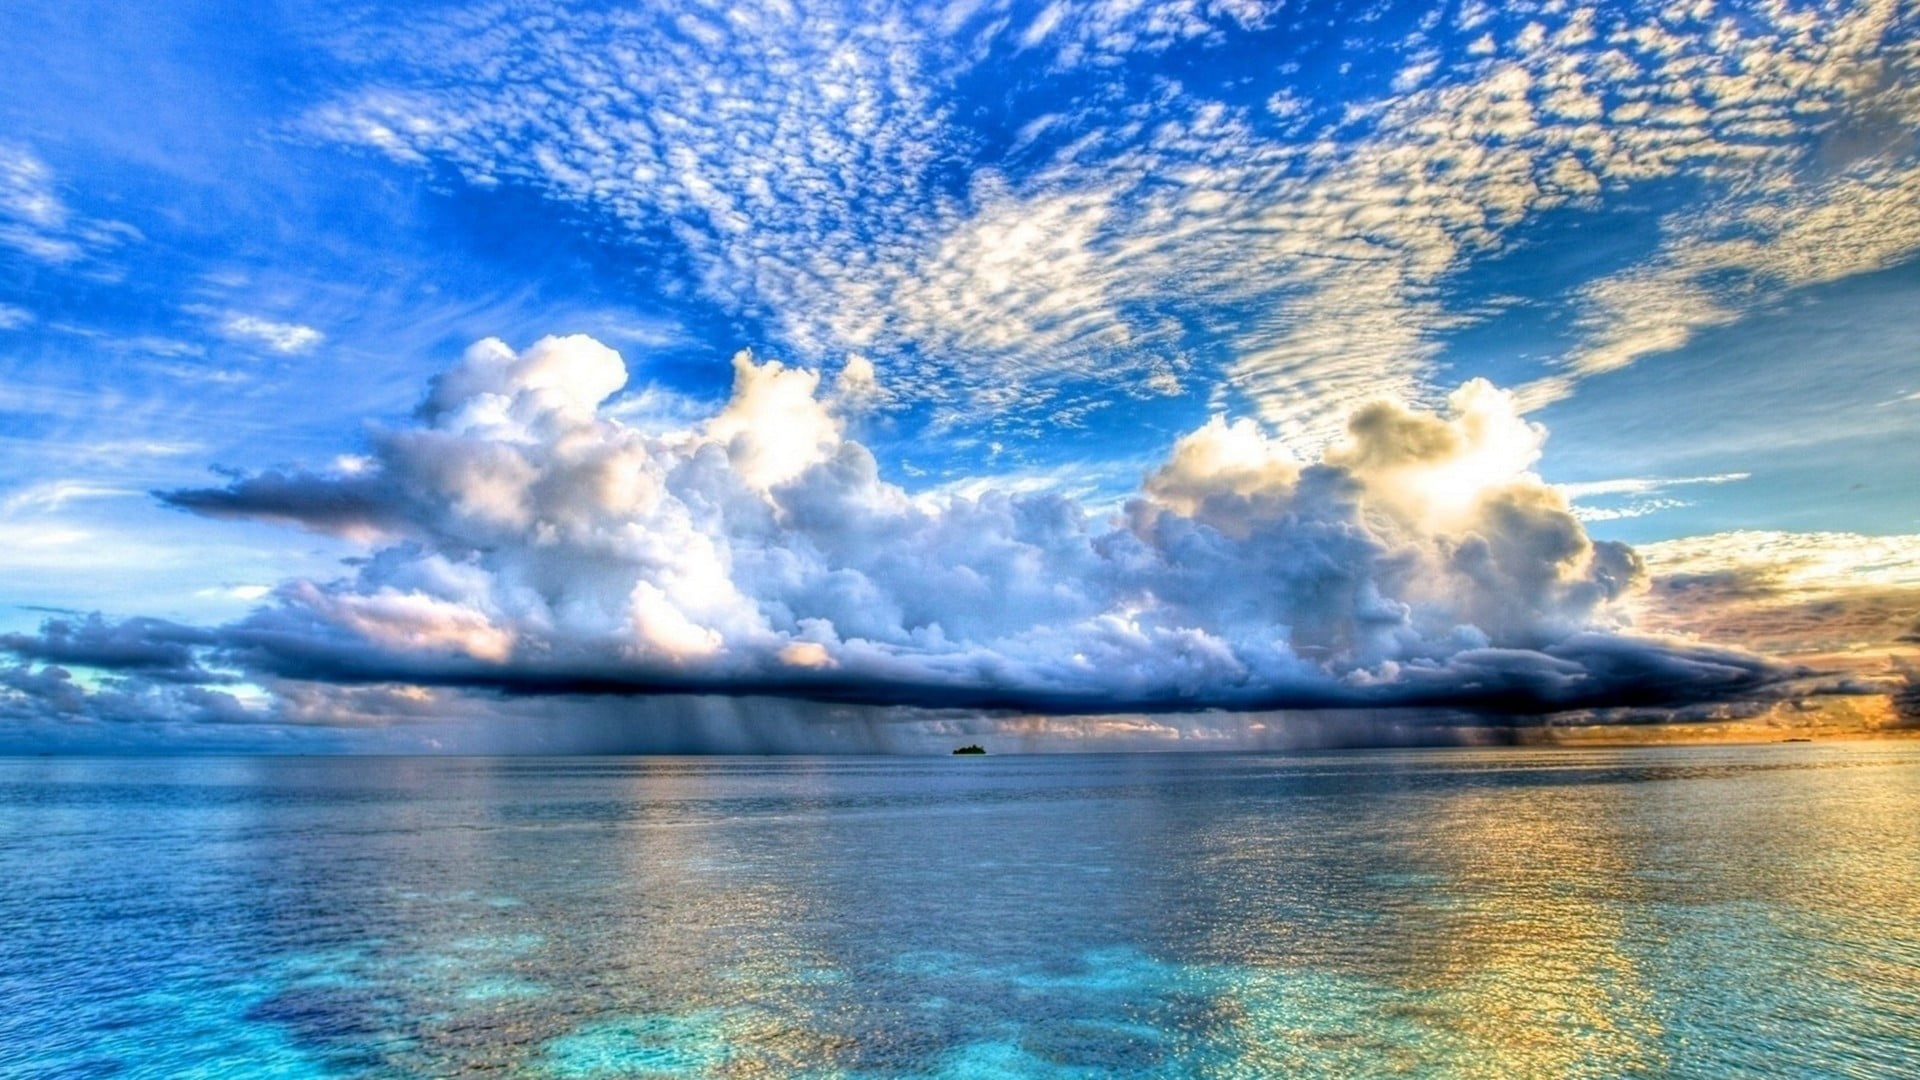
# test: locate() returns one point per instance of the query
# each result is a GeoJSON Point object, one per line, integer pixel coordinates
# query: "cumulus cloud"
{"type": "Point", "coordinates": [524, 540]}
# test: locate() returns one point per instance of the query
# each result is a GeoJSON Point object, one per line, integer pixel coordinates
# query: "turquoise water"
{"type": "Point", "coordinates": [1687, 912]}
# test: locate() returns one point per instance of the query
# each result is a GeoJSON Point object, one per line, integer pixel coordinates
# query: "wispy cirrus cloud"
{"type": "Point", "coordinates": [1632, 497]}
{"type": "Point", "coordinates": [53, 494]}
{"type": "Point", "coordinates": [37, 222]}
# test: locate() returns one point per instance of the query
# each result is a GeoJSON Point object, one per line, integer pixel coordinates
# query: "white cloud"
{"type": "Point", "coordinates": [51, 495]}
{"type": "Point", "coordinates": [1644, 495]}
{"type": "Point", "coordinates": [857, 389]}
{"type": "Point", "coordinates": [281, 337]}
{"type": "Point", "coordinates": [1644, 485]}
{"type": "Point", "coordinates": [37, 222]}
{"type": "Point", "coordinates": [525, 538]}
{"type": "Point", "coordinates": [1635, 509]}
{"type": "Point", "coordinates": [1321, 254]}
{"type": "Point", "coordinates": [1805, 124]}
{"type": "Point", "coordinates": [1042, 25]}
{"type": "Point", "coordinates": [32, 217]}
{"type": "Point", "coordinates": [53, 546]}
{"type": "Point", "coordinates": [244, 593]}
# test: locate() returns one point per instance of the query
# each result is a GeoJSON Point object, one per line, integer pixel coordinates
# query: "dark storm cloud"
{"type": "Point", "coordinates": [154, 648]}
{"type": "Point", "coordinates": [342, 505]}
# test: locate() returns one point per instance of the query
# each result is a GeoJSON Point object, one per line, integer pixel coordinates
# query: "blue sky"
{"type": "Point", "coordinates": [1028, 247]}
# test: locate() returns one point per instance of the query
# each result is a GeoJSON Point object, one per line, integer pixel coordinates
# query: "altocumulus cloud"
{"type": "Point", "coordinates": [525, 541]}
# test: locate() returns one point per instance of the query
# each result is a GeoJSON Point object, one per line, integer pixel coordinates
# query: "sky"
{"type": "Point", "coordinates": [867, 376]}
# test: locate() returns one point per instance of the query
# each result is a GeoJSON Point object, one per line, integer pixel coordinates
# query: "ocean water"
{"type": "Point", "coordinates": [1498, 913]}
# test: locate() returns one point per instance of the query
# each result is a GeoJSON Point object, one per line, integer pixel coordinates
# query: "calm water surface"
{"type": "Point", "coordinates": [1688, 912]}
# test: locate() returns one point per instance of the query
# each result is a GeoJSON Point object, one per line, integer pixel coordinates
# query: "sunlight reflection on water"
{"type": "Point", "coordinates": [1457, 913]}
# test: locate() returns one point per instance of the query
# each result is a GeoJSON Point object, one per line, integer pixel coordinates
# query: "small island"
{"type": "Point", "coordinates": [974, 749]}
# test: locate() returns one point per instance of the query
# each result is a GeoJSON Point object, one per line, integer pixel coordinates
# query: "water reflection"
{"type": "Point", "coordinates": [1469, 913]}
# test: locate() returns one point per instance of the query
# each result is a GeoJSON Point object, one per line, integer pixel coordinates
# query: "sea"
{"type": "Point", "coordinates": [1697, 912]}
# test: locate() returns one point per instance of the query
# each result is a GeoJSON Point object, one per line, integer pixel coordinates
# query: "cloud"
{"type": "Point", "coordinates": [337, 503]}
{"type": "Point", "coordinates": [51, 495]}
{"type": "Point", "coordinates": [281, 337]}
{"type": "Point", "coordinates": [526, 541]}
{"type": "Point", "coordinates": [1793, 564]}
{"type": "Point", "coordinates": [37, 222]}
{"type": "Point", "coordinates": [33, 219]}
{"type": "Point", "coordinates": [855, 209]}
{"type": "Point", "coordinates": [151, 648]}
{"type": "Point", "coordinates": [248, 593]}
{"type": "Point", "coordinates": [47, 708]}
{"type": "Point", "coordinates": [1640, 496]}
{"type": "Point", "coordinates": [1850, 601]}
{"type": "Point", "coordinates": [1803, 128]}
